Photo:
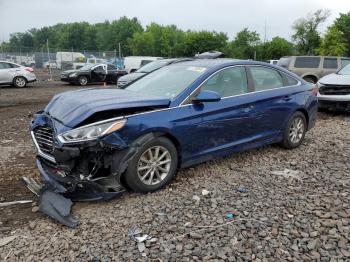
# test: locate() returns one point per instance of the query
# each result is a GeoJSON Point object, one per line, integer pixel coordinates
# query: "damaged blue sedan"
{"type": "Point", "coordinates": [99, 141]}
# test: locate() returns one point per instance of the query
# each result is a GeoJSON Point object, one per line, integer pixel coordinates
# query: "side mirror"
{"type": "Point", "coordinates": [206, 96]}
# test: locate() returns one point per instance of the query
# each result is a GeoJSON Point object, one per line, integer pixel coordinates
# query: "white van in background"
{"type": "Point", "coordinates": [66, 60]}
{"type": "Point", "coordinates": [132, 63]}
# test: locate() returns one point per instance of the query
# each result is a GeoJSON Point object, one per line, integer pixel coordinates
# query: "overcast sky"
{"type": "Point", "coordinates": [229, 16]}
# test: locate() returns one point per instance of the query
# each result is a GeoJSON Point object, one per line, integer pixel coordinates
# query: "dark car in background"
{"type": "Point", "coordinates": [92, 73]}
{"type": "Point", "coordinates": [312, 68]}
{"type": "Point", "coordinates": [146, 69]}
{"type": "Point", "coordinates": [177, 116]}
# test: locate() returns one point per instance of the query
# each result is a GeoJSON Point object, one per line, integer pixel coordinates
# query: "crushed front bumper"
{"type": "Point", "coordinates": [334, 102]}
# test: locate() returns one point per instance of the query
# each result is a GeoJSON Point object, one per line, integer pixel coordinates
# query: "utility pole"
{"type": "Point", "coordinates": [265, 33]}
{"type": "Point", "coordinates": [120, 51]}
{"type": "Point", "coordinates": [48, 55]}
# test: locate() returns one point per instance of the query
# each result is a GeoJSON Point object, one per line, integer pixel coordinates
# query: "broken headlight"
{"type": "Point", "coordinates": [91, 131]}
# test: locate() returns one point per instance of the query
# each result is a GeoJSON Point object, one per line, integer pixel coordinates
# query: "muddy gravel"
{"type": "Point", "coordinates": [268, 204]}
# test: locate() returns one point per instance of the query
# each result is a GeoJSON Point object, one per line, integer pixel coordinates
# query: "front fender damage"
{"type": "Point", "coordinates": [89, 172]}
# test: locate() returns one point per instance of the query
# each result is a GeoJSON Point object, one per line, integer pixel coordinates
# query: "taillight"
{"type": "Point", "coordinates": [315, 90]}
{"type": "Point", "coordinates": [29, 69]}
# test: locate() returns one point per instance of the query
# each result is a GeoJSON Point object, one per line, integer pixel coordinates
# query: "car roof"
{"type": "Point", "coordinates": [211, 63]}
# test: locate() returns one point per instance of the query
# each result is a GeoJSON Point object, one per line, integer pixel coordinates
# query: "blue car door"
{"type": "Point", "coordinates": [274, 100]}
{"type": "Point", "coordinates": [226, 124]}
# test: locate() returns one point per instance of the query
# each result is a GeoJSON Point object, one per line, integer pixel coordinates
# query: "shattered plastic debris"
{"type": "Point", "coordinates": [58, 207]}
{"type": "Point", "coordinates": [242, 189]}
{"type": "Point", "coordinates": [4, 241]}
{"type": "Point", "coordinates": [287, 173]}
{"type": "Point", "coordinates": [134, 231]}
{"type": "Point", "coordinates": [143, 238]}
{"type": "Point", "coordinates": [205, 192]}
{"type": "Point", "coordinates": [6, 204]}
{"type": "Point", "coordinates": [230, 215]}
{"type": "Point", "coordinates": [141, 247]}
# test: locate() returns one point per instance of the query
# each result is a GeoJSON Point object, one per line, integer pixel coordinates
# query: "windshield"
{"type": "Point", "coordinates": [86, 67]}
{"type": "Point", "coordinates": [151, 66]}
{"type": "Point", "coordinates": [345, 70]}
{"type": "Point", "coordinates": [168, 81]}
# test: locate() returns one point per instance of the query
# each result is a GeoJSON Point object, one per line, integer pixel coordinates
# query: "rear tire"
{"type": "Point", "coordinates": [19, 81]}
{"type": "Point", "coordinates": [295, 130]}
{"type": "Point", "coordinates": [82, 80]}
{"type": "Point", "coordinates": [153, 166]}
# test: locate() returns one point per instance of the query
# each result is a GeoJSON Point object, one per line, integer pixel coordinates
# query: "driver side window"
{"type": "Point", "coordinates": [228, 82]}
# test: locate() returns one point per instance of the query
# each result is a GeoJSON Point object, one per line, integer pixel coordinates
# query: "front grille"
{"type": "Point", "coordinates": [44, 138]}
{"type": "Point", "coordinates": [122, 83]}
{"type": "Point", "coordinates": [335, 90]}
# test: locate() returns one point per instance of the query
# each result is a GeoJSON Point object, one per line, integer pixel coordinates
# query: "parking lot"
{"type": "Point", "coordinates": [251, 207]}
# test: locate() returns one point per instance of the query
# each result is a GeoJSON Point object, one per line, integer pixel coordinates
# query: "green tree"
{"type": "Point", "coordinates": [275, 49]}
{"type": "Point", "coordinates": [244, 45]}
{"type": "Point", "coordinates": [333, 43]}
{"type": "Point", "coordinates": [202, 41]}
{"type": "Point", "coordinates": [118, 31]}
{"type": "Point", "coordinates": [342, 24]}
{"type": "Point", "coordinates": [306, 33]}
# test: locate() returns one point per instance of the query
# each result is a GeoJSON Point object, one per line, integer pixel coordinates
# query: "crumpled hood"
{"type": "Point", "coordinates": [334, 79]}
{"type": "Point", "coordinates": [73, 107]}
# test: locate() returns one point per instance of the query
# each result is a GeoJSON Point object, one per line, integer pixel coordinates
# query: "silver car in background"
{"type": "Point", "coordinates": [16, 75]}
{"type": "Point", "coordinates": [334, 91]}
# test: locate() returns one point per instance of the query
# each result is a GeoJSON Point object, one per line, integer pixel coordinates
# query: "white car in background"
{"type": "Point", "coordinates": [15, 74]}
{"type": "Point", "coordinates": [334, 90]}
{"type": "Point", "coordinates": [132, 63]}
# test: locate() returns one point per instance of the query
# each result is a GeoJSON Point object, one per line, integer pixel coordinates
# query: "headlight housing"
{"type": "Point", "coordinates": [73, 75]}
{"type": "Point", "coordinates": [92, 131]}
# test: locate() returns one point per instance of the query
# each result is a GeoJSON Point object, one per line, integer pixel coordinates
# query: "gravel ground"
{"type": "Point", "coordinates": [235, 209]}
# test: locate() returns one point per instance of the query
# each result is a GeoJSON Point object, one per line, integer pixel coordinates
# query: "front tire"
{"type": "Point", "coordinates": [19, 81]}
{"type": "Point", "coordinates": [82, 80]}
{"type": "Point", "coordinates": [153, 166]}
{"type": "Point", "coordinates": [295, 130]}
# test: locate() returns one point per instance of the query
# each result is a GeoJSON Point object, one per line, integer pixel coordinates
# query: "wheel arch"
{"type": "Point", "coordinates": [174, 140]}
{"type": "Point", "coordinates": [306, 114]}
{"type": "Point", "coordinates": [315, 77]}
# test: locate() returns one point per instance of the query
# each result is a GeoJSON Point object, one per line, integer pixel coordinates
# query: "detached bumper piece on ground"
{"type": "Point", "coordinates": [56, 199]}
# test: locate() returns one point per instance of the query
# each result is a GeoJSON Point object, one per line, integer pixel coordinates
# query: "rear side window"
{"type": "Point", "coordinates": [284, 62]}
{"type": "Point", "coordinates": [307, 62]}
{"type": "Point", "coordinates": [344, 62]}
{"type": "Point", "coordinates": [290, 81]}
{"type": "Point", "coordinates": [228, 82]}
{"type": "Point", "coordinates": [5, 65]}
{"type": "Point", "coordinates": [330, 63]}
{"type": "Point", "coordinates": [265, 78]}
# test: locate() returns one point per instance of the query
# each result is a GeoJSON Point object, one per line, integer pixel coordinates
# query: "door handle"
{"type": "Point", "coordinates": [287, 98]}
{"type": "Point", "coordinates": [249, 108]}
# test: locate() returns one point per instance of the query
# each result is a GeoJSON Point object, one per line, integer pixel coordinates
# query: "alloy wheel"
{"type": "Point", "coordinates": [296, 131]}
{"type": "Point", "coordinates": [154, 165]}
{"type": "Point", "coordinates": [83, 81]}
{"type": "Point", "coordinates": [20, 81]}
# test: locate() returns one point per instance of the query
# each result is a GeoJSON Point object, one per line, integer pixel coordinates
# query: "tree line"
{"type": "Point", "coordinates": [170, 41]}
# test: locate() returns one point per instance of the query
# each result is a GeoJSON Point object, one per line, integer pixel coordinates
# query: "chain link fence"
{"type": "Point", "coordinates": [50, 62]}
{"type": "Point", "coordinates": [62, 59]}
